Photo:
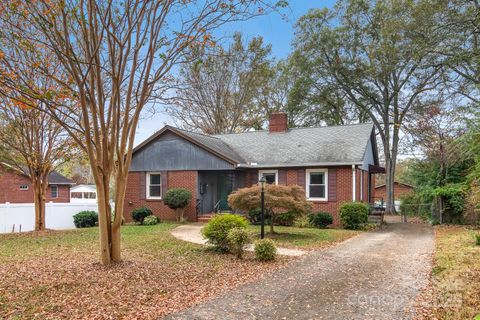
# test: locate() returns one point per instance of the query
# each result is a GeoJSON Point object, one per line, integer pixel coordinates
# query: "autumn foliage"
{"type": "Point", "coordinates": [278, 199]}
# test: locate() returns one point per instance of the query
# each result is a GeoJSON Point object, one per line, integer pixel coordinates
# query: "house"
{"type": "Point", "coordinates": [334, 164]}
{"type": "Point", "coordinates": [15, 187]}
{"type": "Point", "coordinates": [399, 189]}
{"type": "Point", "coordinates": [83, 193]}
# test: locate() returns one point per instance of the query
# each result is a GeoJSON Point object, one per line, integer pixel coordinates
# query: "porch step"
{"type": "Point", "coordinates": [204, 218]}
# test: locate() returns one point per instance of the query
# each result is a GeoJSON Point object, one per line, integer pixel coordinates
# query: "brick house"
{"type": "Point", "coordinates": [399, 189]}
{"type": "Point", "coordinates": [334, 164]}
{"type": "Point", "coordinates": [15, 187]}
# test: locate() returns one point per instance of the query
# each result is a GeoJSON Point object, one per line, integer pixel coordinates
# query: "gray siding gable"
{"type": "Point", "coordinates": [172, 152]}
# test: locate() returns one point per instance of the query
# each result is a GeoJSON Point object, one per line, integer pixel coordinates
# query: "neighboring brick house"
{"type": "Point", "coordinates": [334, 164]}
{"type": "Point", "coordinates": [15, 187]}
{"type": "Point", "coordinates": [399, 189]}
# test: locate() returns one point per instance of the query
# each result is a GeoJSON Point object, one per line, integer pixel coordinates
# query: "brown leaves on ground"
{"type": "Point", "coordinates": [158, 276]}
{"type": "Point", "coordinates": [454, 289]}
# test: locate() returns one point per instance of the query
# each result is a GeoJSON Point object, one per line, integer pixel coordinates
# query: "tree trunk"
{"type": "Point", "coordinates": [272, 222]}
{"type": "Point", "coordinates": [104, 226]}
{"type": "Point", "coordinates": [39, 198]}
{"type": "Point", "coordinates": [389, 184]}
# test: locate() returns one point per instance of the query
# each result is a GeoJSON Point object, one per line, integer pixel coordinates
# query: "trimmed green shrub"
{"type": "Point", "coordinates": [320, 219]}
{"type": "Point", "coordinates": [286, 218]}
{"type": "Point", "coordinates": [139, 214]}
{"type": "Point", "coordinates": [151, 220]}
{"type": "Point", "coordinates": [85, 219]}
{"type": "Point", "coordinates": [177, 199]}
{"type": "Point", "coordinates": [353, 215]}
{"type": "Point", "coordinates": [216, 230]}
{"type": "Point", "coordinates": [477, 239]}
{"type": "Point", "coordinates": [302, 222]}
{"type": "Point", "coordinates": [238, 239]}
{"type": "Point", "coordinates": [281, 219]}
{"type": "Point", "coordinates": [265, 250]}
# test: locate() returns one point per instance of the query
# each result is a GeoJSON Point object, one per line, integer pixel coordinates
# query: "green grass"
{"type": "Point", "coordinates": [303, 238]}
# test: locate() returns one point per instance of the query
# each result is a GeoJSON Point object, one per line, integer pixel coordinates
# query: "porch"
{"type": "Point", "coordinates": [213, 190]}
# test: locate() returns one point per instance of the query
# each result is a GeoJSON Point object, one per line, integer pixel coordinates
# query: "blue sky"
{"type": "Point", "coordinates": [275, 30]}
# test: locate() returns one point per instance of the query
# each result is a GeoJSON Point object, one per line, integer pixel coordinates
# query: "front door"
{"type": "Point", "coordinates": [225, 187]}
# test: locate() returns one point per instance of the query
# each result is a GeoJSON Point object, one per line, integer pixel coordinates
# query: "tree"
{"type": "Point", "coordinates": [218, 90]}
{"type": "Point", "coordinates": [370, 51]}
{"type": "Point", "coordinates": [177, 199]}
{"type": "Point", "coordinates": [278, 199]}
{"type": "Point", "coordinates": [34, 144]}
{"type": "Point", "coordinates": [117, 56]}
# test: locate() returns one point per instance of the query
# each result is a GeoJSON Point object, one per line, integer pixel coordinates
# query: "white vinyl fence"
{"type": "Point", "coordinates": [21, 216]}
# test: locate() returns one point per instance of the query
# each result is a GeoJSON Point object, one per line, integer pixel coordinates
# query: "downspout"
{"type": "Point", "coordinates": [354, 183]}
{"type": "Point", "coordinates": [361, 185]}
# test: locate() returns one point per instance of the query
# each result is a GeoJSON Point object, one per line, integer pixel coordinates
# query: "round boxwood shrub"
{"type": "Point", "coordinates": [216, 230]}
{"type": "Point", "coordinates": [238, 239]}
{"type": "Point", "coordinates": [353, 215]}
{"type": "Point", "coordinates": [177, 199]}
{"type": "Point", "coordinates": [320, 219]}
{"type": "Point", "coordinates": [85, 219]}
{"type": "Point", "coordinates": [265, 250]}
{"type": "Point", "coordinates": [139, 214]}
{"type": "Point", "coordinates": [151, 220]}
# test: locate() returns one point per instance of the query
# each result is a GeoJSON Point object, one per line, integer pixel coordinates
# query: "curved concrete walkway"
{"type": "Point", "coordinates": [377, 275]}
{"type": "Point", "coordinates": [192, 233]}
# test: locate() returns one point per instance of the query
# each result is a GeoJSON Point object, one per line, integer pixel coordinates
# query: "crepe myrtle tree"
{"type": "Point", "coordinates": [117, 56]}
{"type": "Point", "coordinates": [278, 199]}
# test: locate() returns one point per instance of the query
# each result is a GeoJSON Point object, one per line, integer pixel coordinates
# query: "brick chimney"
{"type": "Point", "coordinates": [278, 122]}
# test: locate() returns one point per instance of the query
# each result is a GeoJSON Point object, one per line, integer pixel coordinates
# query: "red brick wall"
{"type": "Point", "coordinates": [398, 191]}
{"type": "Point", "coordinates": [10, 183]}
{"type": "Point", "coordinates": [175, 179]}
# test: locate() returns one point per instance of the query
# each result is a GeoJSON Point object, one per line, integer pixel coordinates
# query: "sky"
{"type": "Point", "coordinates": [275, 29]}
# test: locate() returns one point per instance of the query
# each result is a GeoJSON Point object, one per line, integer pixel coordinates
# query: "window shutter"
{"type": "Point", "coordinates": [301, 178]}
{"type": "Point", "coordinates": [332, 184]}
{"type": "Point", "coordinates": [282, 177]}
{"type": "Point", "coordinates": [142, 180]}
{"type": "Point", "coordinates": [164, 180]}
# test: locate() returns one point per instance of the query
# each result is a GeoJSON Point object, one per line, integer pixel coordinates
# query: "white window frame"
{"type": "Point", "coordinates": [261, 172]}
{"type": "Point", "coordinates": [147, 184]}
{"type": "Point", "coordinates": [56, 192]}
{"type": "Point", "coordinates": [307, 184]}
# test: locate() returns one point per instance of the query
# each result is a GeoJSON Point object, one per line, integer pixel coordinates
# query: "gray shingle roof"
{"type": "Point", "coordinates": [302, 146]}
{"type": "Point", "coordinates": [57, 178]}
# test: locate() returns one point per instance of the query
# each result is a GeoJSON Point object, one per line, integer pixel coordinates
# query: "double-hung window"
{"type": "Point", "coordinates": [154, 185]}
{"type": "Point", "coordinates": [54, 192]}
{"type": "Point", "coordinates": [317, 182]}
{"type": "Point", "coordinates": [271, 176]}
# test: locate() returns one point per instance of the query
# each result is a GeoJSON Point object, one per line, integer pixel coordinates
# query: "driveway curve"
{"type": "Point", "coordinates": [376, 275]}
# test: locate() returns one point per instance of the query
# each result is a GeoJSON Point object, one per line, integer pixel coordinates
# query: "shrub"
{"type": "Point", "coordinates": [177, 199]}
{"type": "Point", "coordinates": [302, 222]}
{"type": "Point", "coordinates": [151, 220]}
{"type": "Point", "coordinates": [281, 219]}
{"type": "Point", "coordinates": [85, 219]}
{"type": "Point", "coordinates": [286, 218]}
{"type": "Point", "coordinates": [216, 230]}
{"type": "Point", "coordinates": [265, 250]}
{"type": "Point", "coordinates": [139, 214]}
{"type": "Point", "coordinates": [320, 219]}
{"type": "Point", "coordinates": [477, 239]}
{"type": "Point", "coordinates": [353, 215]}
{"type": "Point", "coordinates": [238, 239]}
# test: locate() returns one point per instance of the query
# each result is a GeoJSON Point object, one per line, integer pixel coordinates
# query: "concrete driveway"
{"type": "Point", "coordinates": [376, 275]}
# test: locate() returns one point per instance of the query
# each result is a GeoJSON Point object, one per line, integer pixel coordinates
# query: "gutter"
{"type": "Point", "coordinates": [308, 164]}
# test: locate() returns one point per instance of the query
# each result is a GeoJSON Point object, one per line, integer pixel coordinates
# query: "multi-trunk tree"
{"type": "Point", "coordinates": [371, 52]}
{"type": "Point", "coordinates": [117, 56]}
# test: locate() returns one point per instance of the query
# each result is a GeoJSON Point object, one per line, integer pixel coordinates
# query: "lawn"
{"type": "Point", "coordinates": [304, 238]}
{"type": "Point", "coordinates": [456, 274]}
{"type": "Point", "coordinates": [55, 275]}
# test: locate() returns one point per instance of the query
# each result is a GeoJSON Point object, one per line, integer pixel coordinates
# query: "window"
{"type": "Point", "coordinates": [76, 195]}
{"type": "Point", "coordinates": [317, 180]}
{"type": "Point", "coordinates": [270, 175]}
{"type": "Point", "coordinates": [24, 187]}
{"type": "Point", "coordinates": [89, 195]}
{"type": "Point", "coordinates": [54, 191]}
{"type": "Point", "coordinates": [154, 186]}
